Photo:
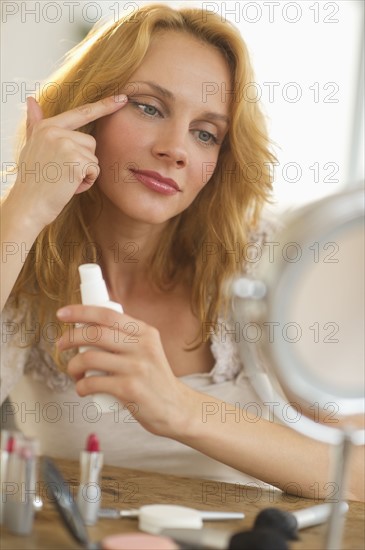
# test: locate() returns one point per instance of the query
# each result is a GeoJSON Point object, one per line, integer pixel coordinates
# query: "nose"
{"type": "Point", "coordinates": [170, 145]}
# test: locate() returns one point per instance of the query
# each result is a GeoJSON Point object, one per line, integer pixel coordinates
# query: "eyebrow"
{"type": "Point", "coordinates": [169, 95]}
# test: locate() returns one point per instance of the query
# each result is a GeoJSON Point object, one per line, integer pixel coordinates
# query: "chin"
{"type": "Point", "coordinates": [152, 216]}
{"type": "Point", "coordinates": [153, 219]}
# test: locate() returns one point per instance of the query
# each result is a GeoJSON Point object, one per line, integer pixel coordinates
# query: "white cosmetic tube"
{"type": "Point", "coordinates": [94, 293]}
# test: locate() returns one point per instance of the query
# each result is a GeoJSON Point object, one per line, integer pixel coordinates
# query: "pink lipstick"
{"type": "Point", "coordinates": [157, 182]}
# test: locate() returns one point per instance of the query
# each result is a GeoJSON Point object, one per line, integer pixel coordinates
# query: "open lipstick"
{"type": "Point", "coordinates": [89, 494]}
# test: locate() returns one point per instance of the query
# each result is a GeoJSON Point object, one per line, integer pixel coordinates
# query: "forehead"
{"type": "Point", "coordinates": [187, 67]}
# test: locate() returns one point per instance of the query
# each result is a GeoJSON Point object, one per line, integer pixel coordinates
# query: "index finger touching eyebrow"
{"type": "Point", "coordinates": [78, 117]}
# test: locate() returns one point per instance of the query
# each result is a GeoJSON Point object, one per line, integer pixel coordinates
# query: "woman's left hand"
{"type": "Point", "coordinates": [132, 356]}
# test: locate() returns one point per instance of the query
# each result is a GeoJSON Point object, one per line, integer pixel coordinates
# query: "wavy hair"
{"type": "Point", "coordinates": [192, 247]}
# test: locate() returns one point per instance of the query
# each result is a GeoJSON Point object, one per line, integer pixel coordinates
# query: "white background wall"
{"type": "Point", "coordinates": [306, 57]}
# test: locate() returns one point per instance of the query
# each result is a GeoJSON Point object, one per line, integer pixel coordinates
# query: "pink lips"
{"type": "Point", "coordinates": [156, 182]}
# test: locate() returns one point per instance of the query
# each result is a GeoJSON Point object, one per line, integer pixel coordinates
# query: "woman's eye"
{"type": "Point", "coordinates": [149, 110]}
{"type": "Point", "coordinates": [207, 137]}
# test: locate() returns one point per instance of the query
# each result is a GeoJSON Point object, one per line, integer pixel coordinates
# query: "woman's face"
{"type": "Point", "coordinates": [171, 129]}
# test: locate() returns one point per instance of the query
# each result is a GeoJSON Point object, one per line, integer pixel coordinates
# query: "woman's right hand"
{"type": "Point", "coordinates": [57, 161]}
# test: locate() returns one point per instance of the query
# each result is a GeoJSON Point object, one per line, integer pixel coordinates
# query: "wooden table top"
{"type": "Point", "coordinates": [125, 488]}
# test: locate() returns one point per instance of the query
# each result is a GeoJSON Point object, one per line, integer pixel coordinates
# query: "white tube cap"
{"type": "Point", "coordinates": [156, 517]}
{"type": "Point", "coordinates": [93, 288]}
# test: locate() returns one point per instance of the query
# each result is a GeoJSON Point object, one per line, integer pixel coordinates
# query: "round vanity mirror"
{"type": "Point", "coordinates": [302, 321]}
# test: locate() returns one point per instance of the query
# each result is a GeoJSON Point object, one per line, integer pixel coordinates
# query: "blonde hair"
{"type": "Point", "coordinates": [222, 214]}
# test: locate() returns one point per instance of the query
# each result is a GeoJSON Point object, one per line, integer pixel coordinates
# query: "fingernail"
{"type": "Point", "coordinates": [122, 98]}
{"type": "Point", "coordinates": [63, 312]}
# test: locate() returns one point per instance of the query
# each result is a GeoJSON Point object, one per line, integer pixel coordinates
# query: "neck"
{"type": "Point", "coordinates": [125, 249]}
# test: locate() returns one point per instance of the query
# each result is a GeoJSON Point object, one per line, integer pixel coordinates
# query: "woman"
{"type": "Point", "coordinates": [144, 147]}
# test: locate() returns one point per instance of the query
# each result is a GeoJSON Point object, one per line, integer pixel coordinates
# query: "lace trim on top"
{"type": "Point", "coordinates": [225, 352]}
{"type": "Point", "coordinates": [43, 369]}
